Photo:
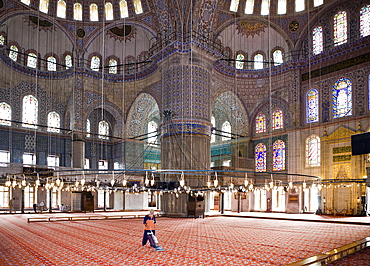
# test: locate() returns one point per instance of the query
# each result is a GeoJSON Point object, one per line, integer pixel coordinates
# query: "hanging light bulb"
{"type": "Point", "coordinates": [215, 182]}
{"type": "Point", "coordinates": [124, 182]}
{"type": "Point", "coordinates": [37, 182]}
{"type": "Point", "coordinates": [208, 184]}
{"type": "Point", "coordinates": [76, 183]}
{"type": "Point", "coordinates": [246, 181]}
{"type": "Point", "coordinates": [271, 184]}
{"type": "Point", "coordinates": [24, 183]}
{"type": "Point", "coordinates": [319, 186]}
{"type": "Point", "coordinates": [182, 181]}
{"type": "Point", "coordinates": [112, 182]}
{"type": "Point", "coordinates": [152, 181]}
{"type": "Point", "coordinates": [146, 182]}
{"type": "Point", "coordinates": [57, 182]}
{"type": "Point", "coordinates": [231, 185]}
{"type": "Point", "coordinates": [250, 186]}
{"type": "Point", "coordinates": [14, 183]}
{"type": "Point", "coordinates": [8, 182]}
{"type": "Point", "coordinates": [290, 184]}
{"type": "Point", "coordinates": [304, 185]}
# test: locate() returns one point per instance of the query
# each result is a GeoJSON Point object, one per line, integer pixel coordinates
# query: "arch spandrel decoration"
{"type": "Point", "coordinates": [141, 110]}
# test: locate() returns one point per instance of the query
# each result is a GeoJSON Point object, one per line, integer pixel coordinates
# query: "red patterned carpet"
{"type": "Point", "coordinates": [209, 241]}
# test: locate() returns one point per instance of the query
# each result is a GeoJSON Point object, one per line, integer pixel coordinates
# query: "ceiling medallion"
{"type": "Point", "coordinates": [122, 33]}
{"type": "Point", "coordinates": [80, 33]}
{"type": "Point", "coordinates": [251, 28]}
{"type": "Point", "coordinates": [294, 25]}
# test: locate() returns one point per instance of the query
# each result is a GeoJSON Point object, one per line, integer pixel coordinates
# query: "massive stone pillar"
{"type": "Point", "coordinates": [186, 126]}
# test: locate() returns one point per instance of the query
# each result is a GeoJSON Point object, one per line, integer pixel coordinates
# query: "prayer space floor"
{"type": "Point", "coordinates": [187, 241]}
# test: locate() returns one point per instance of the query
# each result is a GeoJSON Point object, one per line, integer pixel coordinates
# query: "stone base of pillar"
{"type": "Point", "coordinates": [182, 206]}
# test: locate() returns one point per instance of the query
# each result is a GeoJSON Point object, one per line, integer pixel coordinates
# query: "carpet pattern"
{"type": "Point", "coordinates": [210, 241]}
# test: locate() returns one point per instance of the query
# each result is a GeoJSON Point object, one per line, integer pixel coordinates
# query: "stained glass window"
{"type": "Point", "coordinates": [103, 130]}
{"type": "Point", "coordinates": [112, 66]}
{"type": "Point", "coordinates": [278, 57]}
{"type": "Point", "coordinates": [234, 5]}
{"type": "Point", "coordinates": [95, 63]}
{"type": "Point", "coordinates": [278, 162]}
{"type": "Point", "coordinates": [226, 128]}
{"type": "Point", "coordinates": [13, 54]}
{"type": "Point", "coordinates": [317, 40]}
{"type": "Point", "coordinates": [77, 11]}
{"type": "Point", "coordinates": [258, 61]}
{"type": "Point", "coordinates": [261, 123]}
{"type": "Point", "coordinates": [249, 5]}
{"type": "Point", "coordinates": [109, 11]}
{"type": "Point", "coordinates": [312, 151]}
{"type": "Point", "coordinates": [213, 136]}
{"type": "Point", "coordinates": [260, 157]}
{"type": "Point", "coordinates": [281, 7]}
{"type": "Point", "coordinates": [27, 2]}
{"type": "Point", "coordinates": [365, 21]}
{"type": "Point", "coordinates": [68, 61]}
{"type": "Point", "coordinates": [44, 6]}
{"type": "Point", "coordinates": [2, 40]}
{"type": "Point", "coordinates": [52, 63]}
{"type": "Point", "coordinates": [299, 5]}
{"type": "Point", "coordinates": [312, 106]}
{"type": "Point", "coordinates": [340, 28]}
{"type": "Point", "coordinates": [5, 114]}
{"type": "Point", "coordinates": [152, 128]}
{"type": "Point", "coordinates": [239, 64]}
{"type": "Point", "coordinates": [61, 9]}
{"type": "Point", "coordinates": [277, 120]}
{"type": "Point", "coordinates": [53, 122]}
{"type": "Point", "coordinates": [138, 7]}
{"type": "Point", "coordinates": [94, 13]}
{"type": "Point", "coordinates": [342, 98]}
{"type": "Point", "coordinates": [265, 7]}
{"type": "Point", "coordinates": [32, 60]}
{"type": "Point", "coordinates": [317, 2]}
{"type": "Point", "coordinates": [123, 8]}
{"type": "Point", "coordinates": [30, 111]}
{"type": "Point", "coordinates": [88, 128]}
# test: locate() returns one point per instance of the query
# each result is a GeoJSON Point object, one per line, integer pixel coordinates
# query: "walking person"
{"type": "Point", "coordinates": [149, 222]}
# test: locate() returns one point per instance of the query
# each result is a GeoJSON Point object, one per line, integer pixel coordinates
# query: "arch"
{"type": "Point", "coordinates": [340, 28]}
{"type": "Point", "coordinates": [5, 114]}
{"type": "Point", "coordinates": [53, 122]}
{"type": "Point", "coordinates": [30, 111]}
{"type": "Point", "coordinates": [143, 109]}
{"type": "Point", "coordinates": [278, 160]}
{"type": "Point", "coordinates": [228, 107]}
{"type": "Point", "coordinates": [260, 157]}
{"type": "Point", "coordinates": [313, 147]}
{"type": "Point", "coordinates": [261, 123]}
{"type": "Point", "coordinates": [312, 106]}
{"type": "Point", "coordinates": [103, 130]}
{"type": "Point", "coordinates": [342, 98]}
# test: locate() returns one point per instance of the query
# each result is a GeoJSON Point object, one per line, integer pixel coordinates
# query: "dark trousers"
{"type": "Point", "coordinates": [145, 236]}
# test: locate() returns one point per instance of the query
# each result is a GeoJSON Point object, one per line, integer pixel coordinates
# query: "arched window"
{"type": "Point", "coordinates": [68, 61]}
{"type": "Point", "coordinates": [77, 11]}
{"type": "Point", "coordinates": [52, 63]}
{"type": "Point", "coordinates": [278, 57]}
{"type": "Point", "coordinates": [53, 122]}
{"type": "Point", "coordinates": [312, 106]}
{"type": "Point", "coordinates": [13, 54]}
{"type": "Point", "coordinates": [32, 60]}
{"type": "Point", "coordinates": [317, 2]}
{"type": "Point", "coordinates": [239, 64]}
{"type": "Point", "coordinates": [261, 123]}
{"type": "Point", "coordinates": [61, 9]}
{"type": "Point", "coordinates": [88, 128]}
{"type": "Point", "coordinates": [312, 151]}
{"type": "Point", "coordinates": [2, 40]}
{"type": "Point", "coordinates": [234, 5]}
{"type": "Point", "coordinates": [123, 8]}
{"type": "Point", "coordinates": [365, 21]}
{"type": "Point", "coordinates": [5, 114]}
{"type": "Point", "coordinates": [30, 111]}
{"type": "Point", "coordinates": [112, 66]}
{"type": "Point", "coordinates": [258, 61]}
{"type": "Point", "coordinates": [277, 120]}
{"type": "Point", "coordinates": [213, 136]}
{"type": "Point", "coordinates": [340, 28]}
{"type": "Point", "coordinates": [281, 7]}
{"type": "Point", "coordinates": [317, 41]}
{"type": "Point", "coordinates": [278, 161]}
{"type": "Point", "coordinates": [152, 128]}
{"type": "Point", "coordinates": [94, 12]}
{"type": "Point", "coordinates": [95, 63]}
{"type": "Point", "coordinates": [44, 6]}
{"type": "Point", "coordinates": [138, 7]}
{"type": "Point", "coordinates": [260, 157]}
{"type": "Point", "coordinates": [103, 130]}
{"type": "Point", "coordinates": [130, 66]}
{"type": "Point", "coordinates": [226, 128]}
{"type": "Point", "coordinates": [342, 98]}
{"type": "Point", "coordinates": [249, 6]}
{"type": "Point", "coordinates": [299, 5]}
{"type": "Point", "coordinates": [109, 11]}
{"type": "Point", "coordinates": [265, 7]}
{"type": "Point", "coordinates": [26, 2]}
